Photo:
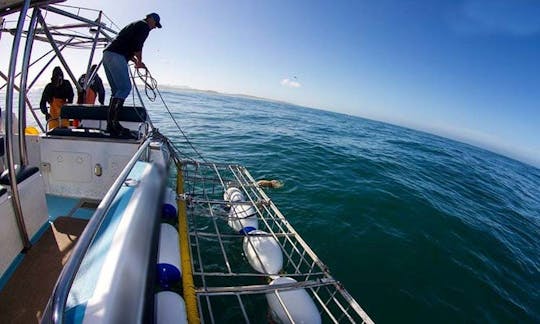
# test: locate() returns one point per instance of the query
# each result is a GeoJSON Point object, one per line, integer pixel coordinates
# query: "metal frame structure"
{"type": "Point", "coordinates": [223, 278]}
{"type": "Point", "coordinates": [81, 33]}
{"type": "Point", "coordinates": [84, 33]}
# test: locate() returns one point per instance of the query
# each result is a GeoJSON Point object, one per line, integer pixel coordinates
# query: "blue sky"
{"type": "Point", "coordinates": [466, 69]}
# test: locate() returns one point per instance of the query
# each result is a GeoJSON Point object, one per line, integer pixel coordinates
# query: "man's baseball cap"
{"type": "Point", "coordinates": [156, 18]}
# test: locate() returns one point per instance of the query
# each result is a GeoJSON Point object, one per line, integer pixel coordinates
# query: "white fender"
{"type": "Point", "coordinates": [263, 252]}
{"type": "Point", "coordinates": [168, 265]}
{"type": "Point", "coordinates": [243, 218]}
{"type": "Point", "coordinates": [169, 308]}
{"type": "Point", "coordinates": [233, 194]}
{"type": "Point", "coordinates": [170, 208]}
{"type": "Point", "coordinates": [299, 304]}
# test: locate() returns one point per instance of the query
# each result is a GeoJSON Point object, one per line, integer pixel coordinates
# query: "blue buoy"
{"type": "Point", "coordinates": [247, 229]}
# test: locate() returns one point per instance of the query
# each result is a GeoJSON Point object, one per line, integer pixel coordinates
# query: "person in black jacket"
{"type": "Point", "coordinates": [94, 89]}
{"type": "Point", "coordinates": [126, 46]}
{"type": "Point", "coordinates": [56, 94]}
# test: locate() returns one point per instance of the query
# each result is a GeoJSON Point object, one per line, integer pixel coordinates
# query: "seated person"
{"type": "Point", "coordinates": [94, 89]}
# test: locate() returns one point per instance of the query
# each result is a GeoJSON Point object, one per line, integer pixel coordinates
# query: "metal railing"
{"type": "Point", "coordinates": [9, 126]}
{"type": "Point", "coordinates": [56, 307]}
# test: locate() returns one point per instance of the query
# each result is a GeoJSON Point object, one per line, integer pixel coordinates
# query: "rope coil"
{"type": "Point", "coordinates": [150, 89]}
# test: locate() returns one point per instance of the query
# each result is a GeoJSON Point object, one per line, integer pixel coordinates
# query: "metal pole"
{"type": "Point", "coordinates": [37, 77]}
{"type": "Point", "coordinates": [1, 26]}
{"type": "Point", "coordinates": [9, 128]}
{"type": "Point", "coordinates": [22, 88]}
{"type": "Point", "coordinates": [75, 17]}
{"type": "Point", "coordinates": [58, 53]}
{"type": "Point", "coordinates": [3, 76]}
{"type": "Point", "coordinates": [96, 38]}
{"type": "Point", "coordinates": [39, 59]}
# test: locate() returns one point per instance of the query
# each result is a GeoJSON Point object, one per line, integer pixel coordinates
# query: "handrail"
{"type": "Point", "coordinates": [22, 93]}
{"type": "Point", "coordinates": [9, 128]}
{"type": "Point", "coordinates": [58, 300]}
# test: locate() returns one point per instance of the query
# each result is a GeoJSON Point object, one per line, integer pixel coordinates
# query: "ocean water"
{"type": "Point", "coordinates": [417, 227]}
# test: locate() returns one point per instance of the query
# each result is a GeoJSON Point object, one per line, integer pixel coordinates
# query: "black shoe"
{"type": "Point", "coordinates": [120, 128]}
{"type": "Point", "coordinates": [113, 132]}
{"type": "Point", "coordinates": [113, 126]}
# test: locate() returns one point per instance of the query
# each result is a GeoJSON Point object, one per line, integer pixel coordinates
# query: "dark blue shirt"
{"type": "Point", "coordinates": [130, 39]}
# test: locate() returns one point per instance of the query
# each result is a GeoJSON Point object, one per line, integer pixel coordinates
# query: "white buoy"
{"type": "Point", "coordinates": [168, 266]}
{"type": "Point", "coordinates": [243, 218]}
{"type": "Point", "coordinates": [233, 194]}
{"type": "Point", "coordinates": [169, 208]}
{"type": "Point", "coordinates": [263, 252]}
{"type": "Point", "coordinates": [298, 303]}
{"type": "Point", "coordinates": [169, 308]}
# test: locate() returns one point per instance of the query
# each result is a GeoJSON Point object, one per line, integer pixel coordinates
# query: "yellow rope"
{"type": "Point", "coordinates": [190, 297]}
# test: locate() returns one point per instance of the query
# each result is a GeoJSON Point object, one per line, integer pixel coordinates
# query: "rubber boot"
{"type": "Point", "coordinates": [119, 128]}
{"type": "Point", "coordinates": [111, 114]}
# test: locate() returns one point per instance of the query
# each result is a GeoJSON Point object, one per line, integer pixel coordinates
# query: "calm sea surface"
{"type": "Point", "coordinates": [417, 227]}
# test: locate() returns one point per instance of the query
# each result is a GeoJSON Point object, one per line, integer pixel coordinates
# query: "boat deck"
{"type": "Point", "coordinates": [70, 207]}
{"type": "Point", "coordinates": [33, 275]}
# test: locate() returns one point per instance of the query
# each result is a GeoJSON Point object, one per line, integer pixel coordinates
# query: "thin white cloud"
{"type": "Point", "coordinates": [290, 83]}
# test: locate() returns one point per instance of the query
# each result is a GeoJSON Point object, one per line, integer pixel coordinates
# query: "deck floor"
{"type": "Point", "coordinates": [25, 295]}
{"type": "Point", "coordinates": [70, 207]}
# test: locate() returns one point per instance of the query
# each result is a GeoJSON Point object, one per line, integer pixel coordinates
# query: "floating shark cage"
{"type": "Point", "coordinates": [248, 262]}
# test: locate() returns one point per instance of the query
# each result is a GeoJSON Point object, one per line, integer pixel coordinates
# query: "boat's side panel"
{"type": "Point", "coordinates": [10, 240]}
{"type": "Point", "coordinates": [82, 168]}
{"type": "Point", "coordinates": [33, 149]}
{"type": "Point", "coordinates": [33, 203]}
{"type": "Point", "coordinates": [34, 209]}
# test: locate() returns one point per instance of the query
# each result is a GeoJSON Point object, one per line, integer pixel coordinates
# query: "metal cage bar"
{"type": "Point", "coordinates": [222, 272]}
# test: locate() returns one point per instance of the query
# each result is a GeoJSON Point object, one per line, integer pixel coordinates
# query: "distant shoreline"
{"type": "Point", "coordinates": [524, 155]}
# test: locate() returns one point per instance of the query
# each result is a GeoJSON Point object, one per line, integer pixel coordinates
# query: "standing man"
{"type": "Point", "coordinates": [126, 46]}
{"type": "Point", "coordinates": [56, 94]}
